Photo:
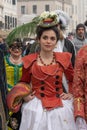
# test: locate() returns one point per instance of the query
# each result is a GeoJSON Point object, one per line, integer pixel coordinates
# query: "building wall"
{"type": "Point", "coordinates": [53, 5]}
{"type": "Point", "coordinates": [74, 15]}
{"type": "Point", "coordinates": [85, 10]}
{"type": "Point", "coordinates": [8, 14]}
{"type": "Point", "coordinates": [79, 12]}
{"type": "Point", "coordinates": [40, 6]}
{"type": "Point", "coordinates": [1, 13]}
{"type": "Point", "coordinates": [76, 9]}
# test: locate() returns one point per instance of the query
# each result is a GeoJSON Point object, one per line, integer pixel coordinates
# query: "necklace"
{"type": "Point", "coordinates": [42, 62]}
{"type": "Point", "coordinates": [15, 61]}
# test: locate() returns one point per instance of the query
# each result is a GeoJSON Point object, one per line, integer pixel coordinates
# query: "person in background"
{"type": "Point", "coordinates": [3, 46]}
{"type": "Point", "coordinates": [28, 47]}
{"type": "Point", "coordinates": [80, 89]}
{"type": "Point", "coordinates": [13, 66]}
{"type": "Point", "coordinates": [48, 103]}
{"type": "Point", "coordinates": [64, 44]}
{"type": "Point", "coordinates": [70, 36]}
{"type": "Point", "coordinates": [85, 23]}
{"type": "Point", "coordinates": [80, 39]}
{"type": "Point", "coordinates": [3, 93]}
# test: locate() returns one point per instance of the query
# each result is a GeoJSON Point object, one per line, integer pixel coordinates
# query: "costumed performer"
{"type": "Point", "coordinates": [50, 102]}
{"type": "Point", "coordinates": [80, 89]}
{"type": "Point", "coordinates": [46, 107]}
{"type": "Point", "coordinates": [13, 64]}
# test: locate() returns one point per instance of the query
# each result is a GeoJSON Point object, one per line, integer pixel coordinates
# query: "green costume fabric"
{"type": "Point", "coordinates": [13, 73]}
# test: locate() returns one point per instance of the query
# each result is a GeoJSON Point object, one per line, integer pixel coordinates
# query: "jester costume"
{"type": "Point", "coordinates": [80, 84]}
{"type": "Point", "coordinates": [47, 111]}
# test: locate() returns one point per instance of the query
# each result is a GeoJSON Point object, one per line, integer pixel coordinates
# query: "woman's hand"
{"type": "Point", "coordinates": [29, 97]}
{"type": "Point", "coordinates": [65, 96]}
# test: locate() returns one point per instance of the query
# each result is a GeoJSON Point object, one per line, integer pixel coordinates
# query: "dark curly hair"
{"type": "Point", "coordinates": [80, 25]}
{"type": "Point", "coordinates": [40, 30]}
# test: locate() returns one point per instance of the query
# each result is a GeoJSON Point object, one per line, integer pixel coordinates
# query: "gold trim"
{"type": "Point", "coordinates": [78, 101]}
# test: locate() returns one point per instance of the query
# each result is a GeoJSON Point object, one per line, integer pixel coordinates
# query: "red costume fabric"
{"type": "Point", "coordinates": [15, 96]}
{"type": "Point", "coordinates": [80, 84]}
{"type": "Point", "coordinates": [47, 80]}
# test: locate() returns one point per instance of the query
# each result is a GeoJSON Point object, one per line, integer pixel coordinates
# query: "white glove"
{"type": "Point", "coordinates": [81, 124]}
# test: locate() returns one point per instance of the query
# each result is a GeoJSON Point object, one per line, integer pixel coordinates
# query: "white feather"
{"type": "Point", "coordinates": [63, 16]}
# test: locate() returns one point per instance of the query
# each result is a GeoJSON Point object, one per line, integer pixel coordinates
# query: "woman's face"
{"type": "Point", "coordinates": [48, 40]}
{"type": "Point", "coordinates": [15, 51]}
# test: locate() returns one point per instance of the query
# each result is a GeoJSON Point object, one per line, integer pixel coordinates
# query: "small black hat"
{"type": "Point", "coordinates": [85, 23]}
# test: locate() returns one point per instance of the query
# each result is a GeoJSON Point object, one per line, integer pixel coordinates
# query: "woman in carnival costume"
{"type": "Point", "coordinates": [13, 64]}
{"type": "Point", "coordinates": [47, 105]}
{"type": "Point", "coordinates": [64, 44]}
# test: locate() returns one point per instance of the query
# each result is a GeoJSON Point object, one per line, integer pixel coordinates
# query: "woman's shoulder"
{"type": "Point", "coordinates": [29, 56]}
{"type": "Point", "coordinates": [63, 55]}
{"type": "Point", "coordinates": [82, 53]}
{"type": "Point", "coordinates": [64, 58]}
{"type": "Point", "coordinates": [29, 59]}
{"type": "Point", "coordinates": [83, 49]}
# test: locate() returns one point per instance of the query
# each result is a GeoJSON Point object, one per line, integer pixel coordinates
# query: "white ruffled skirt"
{"type": "Point", "coordinates": [34, 117]}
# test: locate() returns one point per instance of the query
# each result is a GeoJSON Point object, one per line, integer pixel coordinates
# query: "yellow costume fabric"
{"type": "Point", "coordinates": [13, 73]}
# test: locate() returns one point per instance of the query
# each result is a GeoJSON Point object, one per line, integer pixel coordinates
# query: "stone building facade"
{"type": "Point", "coordinates": [36, 7]}
{"type": "Point", "coordinates": [8, 14]}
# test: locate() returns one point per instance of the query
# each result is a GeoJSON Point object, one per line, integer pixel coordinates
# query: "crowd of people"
{"type": "Point", "coordinates": [44, 86]}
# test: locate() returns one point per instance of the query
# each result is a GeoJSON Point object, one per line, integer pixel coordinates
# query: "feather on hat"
{"type": "Point", "coordinates": [63, 18]}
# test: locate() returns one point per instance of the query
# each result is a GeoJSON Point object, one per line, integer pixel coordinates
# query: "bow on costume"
{"type": "Point", "coordinates": [15, 96]}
